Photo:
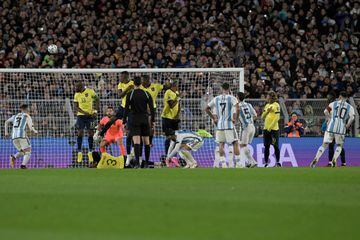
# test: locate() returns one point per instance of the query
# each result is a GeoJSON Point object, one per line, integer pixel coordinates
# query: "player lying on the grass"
{"type": "Point", "coordinates": [19, 137]}
{"type": "Point", "coordinates": [113, 134]}
{"type": "Point", "coordinates": [183, 142]}
{"type": "Point", "coordinates": [340, 116]}
{"type": "Point", "coordinates": [246, 114]}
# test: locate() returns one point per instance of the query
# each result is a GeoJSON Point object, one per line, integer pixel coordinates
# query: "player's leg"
{"type": "Point", "coordinates": [331, 152]}
{"type": "Point", "coordinates": [328, 138]}
{"type": "Point", "coordinates": [275, 143]}
{"type": "Point", "coordinates": [220, 139]}
{"type": "Point", "coordinates": [90, 131]}
{"type": "Point", "coordinates": [187, 156]}
{"type": "Point", "coordinates": [342, 156]}
{"type": "Point", "coordinates": [251, 133]}
{"type": "Point", "coordinates": [80, 125]}
{"type": "Point", "coordinates": [19, 154]}
{"type": "Point", "coordinates": [339, 140]}
{"type": "Point", "coordinates": [165, 125]}
{"type": "Point", "coordinates": [135, 131]}
{"type": "Point", "coordinates": [104, 143]}
{"type": "Point", "coordinates": [232, 136]}
{"type": "Point", "coordinates": [267, 144]}
{"type": "Point", "coordinates": [121, 146]}
{"type": "Point", "coordinates": [26, 149]}
{"type": "Point", "coordinates": [146, 142]}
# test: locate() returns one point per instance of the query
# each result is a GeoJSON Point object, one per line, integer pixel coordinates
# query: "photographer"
{"type": "Point", "coordinates": [294, 127]}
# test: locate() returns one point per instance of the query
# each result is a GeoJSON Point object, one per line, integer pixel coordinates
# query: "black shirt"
{"type": "Point", "coordinates": [137, 103]}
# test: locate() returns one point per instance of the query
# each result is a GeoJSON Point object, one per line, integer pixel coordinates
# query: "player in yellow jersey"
{"type": "Point", "coordinates": [124, 87]}
{"type": "Point", "coordinates": [153, 89]}
{"type": "Point", "coordinates": [86, 105]}
{"type": "Point", "coordinates": [271, 116]}
{"type": "Point", "coordinates": [171, 112]}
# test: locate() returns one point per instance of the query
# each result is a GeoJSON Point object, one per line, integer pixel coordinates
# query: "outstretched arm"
{"type": "Point", "coordinates": [7, 122]}
{"type": "Point", "coordinates": [30, 124]}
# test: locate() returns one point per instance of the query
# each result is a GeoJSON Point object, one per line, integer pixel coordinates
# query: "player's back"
{"type": "Point", "coordinates": [340, 112]}
{"type": "Point", "coordinates": [19, 125]}
{"type": "Point", "coordinates": [224, 105]}
{"type": "Point", "coordinates": [247, 113]}
{"type": "Point", "coordinates": [185, 136]}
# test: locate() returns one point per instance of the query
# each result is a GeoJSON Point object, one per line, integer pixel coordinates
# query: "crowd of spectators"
{"type": "Point", "coordinates": [300, 48]}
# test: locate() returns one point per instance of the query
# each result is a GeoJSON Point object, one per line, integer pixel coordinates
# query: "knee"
{"type": "Point", "coordinates": [80, 133]}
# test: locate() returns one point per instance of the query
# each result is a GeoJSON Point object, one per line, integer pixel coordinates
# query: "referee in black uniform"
{"type": "Point", "coordinates": [138, 102]}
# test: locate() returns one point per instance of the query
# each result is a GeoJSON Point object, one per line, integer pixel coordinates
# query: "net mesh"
{"type": "Point", "coordinates": [50, 97]}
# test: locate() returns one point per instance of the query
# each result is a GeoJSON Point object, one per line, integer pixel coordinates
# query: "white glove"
{"type": "Point", "coordinates": [97, 137]}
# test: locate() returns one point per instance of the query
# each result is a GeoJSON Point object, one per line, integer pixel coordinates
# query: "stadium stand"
{"type": "Point", "coordinates": [301, 48]}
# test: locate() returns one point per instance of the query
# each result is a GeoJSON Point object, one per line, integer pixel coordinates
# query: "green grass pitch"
{"type": "Point", "coordinates": [86, 204]}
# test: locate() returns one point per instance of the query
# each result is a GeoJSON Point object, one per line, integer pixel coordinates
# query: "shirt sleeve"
{"type": "Point", "coordinates": [159, 87]}
{"type": "Point", "coordinates": [76, 97]}
{"type": "Point", "coordinates": [120, 86]}
{"type": "Point", "coordinates": [277, 108]}
{"type": "Point", "coordinates": [30, 122]}
{"type": "Point", "coordinates": [252, 110]}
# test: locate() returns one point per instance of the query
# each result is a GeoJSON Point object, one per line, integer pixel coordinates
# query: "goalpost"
{"type": "Point", "coordinates": [50, 92]}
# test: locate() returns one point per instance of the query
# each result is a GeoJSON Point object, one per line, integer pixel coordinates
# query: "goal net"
{"type": "Point", "coordinates": [50, 92]}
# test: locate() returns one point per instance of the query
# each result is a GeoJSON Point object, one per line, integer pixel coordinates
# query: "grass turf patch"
{"type": "Point", "coordinates": [85, 204]}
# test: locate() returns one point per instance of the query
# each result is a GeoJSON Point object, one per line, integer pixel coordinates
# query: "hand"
{"type": "Point", "coordinates": [215, 119]}
{"type": "Point", "coordinates": [97, 137]}
{"type": "Point", "coordinates": [233, 120]}
{"type": "Point", "coordinates": [269, 109]}
{"type": "Point", "coordinates": [35, 131]}
{"type": "Point", "coordinates": [347, 126]}
{"type": "Point", "coordinates": [7, 135]}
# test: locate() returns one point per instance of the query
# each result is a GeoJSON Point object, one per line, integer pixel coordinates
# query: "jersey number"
{"type": "Point", "coordinates": [17, 122]}
{"type": "Point", "coordinates": [223, 106]}
{"type": "Point", "coordinates": [340, 114]}
{"type": "Point", "coordinates": [247, 113]}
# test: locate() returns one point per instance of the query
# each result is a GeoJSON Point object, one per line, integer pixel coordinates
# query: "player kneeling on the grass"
{"type": "Point", "coordinates": [19, 137]}
{"type": "Point", "coordinates": [113, 134]}
{"type": "Point", "coordinates": [246, 114]}
{"type": "Point", "coordinates": [340, 116]}
{"type": "Point", "coordinates": [183, 142]}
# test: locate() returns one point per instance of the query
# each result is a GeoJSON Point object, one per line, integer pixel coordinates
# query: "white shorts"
{"type": "Point", "coordinates": [21, 143]}
{"type": "Point", "coordinates": [228, 136]}
{"type": "Point", "coordinates": [247, 134]}
{"type": "Point", "coordinates": [194, 146]}
{"type": "Point", "coordinates": [329, 137]}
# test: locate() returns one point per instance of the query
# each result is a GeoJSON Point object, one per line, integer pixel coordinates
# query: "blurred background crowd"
{"type": "Point", "coordinates": [300, 48]}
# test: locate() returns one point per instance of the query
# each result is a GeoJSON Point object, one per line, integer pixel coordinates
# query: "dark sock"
{"type": "Point", "coordinates": [267, 153]}
{"type": "Point", "coordinates": [79, 143]}
{"type": "Point", "coordinates": [137, 152]}
{"type": "Point", "coordinates": [147, 153]}
{"type": "Point", "coordinates": [342, 155]}
{"type": "Point", "coordinates": [128, 145]}
{"type": "Point", "coordinates": [167, 145]}
{"type": "Point", "coordinates": [141, 148]}
{"type": "Point", "coordinates": [91, 143]}
{"type": "Point", "coordinates": [331, 151]}
{"type": "Point", "coordinates": [277, 154]}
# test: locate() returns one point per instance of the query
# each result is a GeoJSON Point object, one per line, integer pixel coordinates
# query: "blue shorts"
{"type": "Point", "coordinates": [83, 122]}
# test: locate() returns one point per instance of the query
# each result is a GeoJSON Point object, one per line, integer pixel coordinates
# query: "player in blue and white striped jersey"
{"type": "Point", "coordinates": [340, 116]}
{"type": "Point", "coordinates": [183, 142]}
{"type": "Point", "coordinates": [19, 137]}
{"type": "Point", "coordinates": [224, 118]}
{"type": "Point", "coordinates": [246, 114]}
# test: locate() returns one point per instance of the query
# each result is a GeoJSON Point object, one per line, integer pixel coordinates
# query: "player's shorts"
{"type": "Point", "coordinates": [21, 143]}
{"type": "Point", "coordinates": [139, 126]}
{"type": "Point", "coordinates": [168, 123]}
{"type": "Point", "coordinates": [271, 137]}
{"type": "Point", "coordinates": [228, 136]}
{"type": "Point", "coordinates": [247, 134]}
{"type": "Point", "coordinates": [84, 122]}
{"type": "Point", "coordinates": [195, 145]}
{"type": "Point", "coordinates": [329, 138]}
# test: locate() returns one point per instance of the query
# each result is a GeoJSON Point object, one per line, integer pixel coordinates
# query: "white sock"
{"type": "Point", "coordinates": [223, 162]}
{"type": "Point", "coordinates": [19, 155]}
{"type": "Point", "coordinates": [26, 158]}
{"type": "Point", "coordinates": [231, 156]}
{"type": "Point", "coordinates": [128, 159]}
{"type": "Point", "coordinates": [250, 158]}
{"type": "Point", "coordinates": [237, 159]}
{"type": "Point", "coordinates": [337, 153]}
{"type": "Point", "coordinates": [217, 157]}
{"type": "Point", "coordinates": [320, 152]}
